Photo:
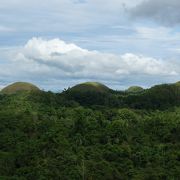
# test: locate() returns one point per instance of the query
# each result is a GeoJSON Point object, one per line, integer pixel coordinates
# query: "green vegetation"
{"type": "Point", "coordinates": [19, 86]}
{"type": "Point", "coordinates": [135, 89]}
{"type": "Point", "coordinates": [178, 83]}
{"type": "Point", "coordinates": [90, 86]}
{"type": "Point", "coordinates": [91, 135]}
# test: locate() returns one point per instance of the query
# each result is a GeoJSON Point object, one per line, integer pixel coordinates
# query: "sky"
{"type": "Point", "coordinates": [59, 43]}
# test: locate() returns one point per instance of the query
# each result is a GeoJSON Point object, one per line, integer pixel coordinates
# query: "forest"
{"type": "Point", "coordinates": [91, 134]}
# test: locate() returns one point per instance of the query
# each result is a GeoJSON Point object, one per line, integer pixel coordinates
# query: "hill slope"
{"type": "Point", "coordinates": [19, 86]}
{"type": "Point", "coordinates": [90, 86]}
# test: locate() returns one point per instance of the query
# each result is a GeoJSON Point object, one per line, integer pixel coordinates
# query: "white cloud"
{"type": "Point", "coordinates": [37, 47]}
{"type": "Point", "coordinates": [71, 60]}
{"type": "Point", "coordinates": [55, 63]}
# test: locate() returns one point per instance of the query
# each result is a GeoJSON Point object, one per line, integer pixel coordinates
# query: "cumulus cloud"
{"type": "Point", "coordinates": [55, 64]}
{"type": "Point", "coordinates": [71, 60]}
{"type": "Point", "coordinates": [163, 11]}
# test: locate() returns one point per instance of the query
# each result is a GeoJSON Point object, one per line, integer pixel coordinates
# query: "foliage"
{"type": "Point", "coordinates": [110, 136]}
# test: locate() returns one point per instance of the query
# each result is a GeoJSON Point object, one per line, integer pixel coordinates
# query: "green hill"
{"type": "Point", "coordinates": [90, 87]}
{"type": "Point", "coordinates": [134, 89]}
{"type": "Point", "coordinates": [19, 86]}
{"type": "Point", "coordinates": [178, 83]}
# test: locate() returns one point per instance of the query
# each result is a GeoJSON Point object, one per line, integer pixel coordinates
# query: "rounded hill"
{"type": "Point", "coordinates": [90, 86]}
{"type": "Point", "coordinates": [177, 83]}
{"type": "Point", "coordinates": [134, 89]}
{"type": "Point", "coordinates": [18, 87]}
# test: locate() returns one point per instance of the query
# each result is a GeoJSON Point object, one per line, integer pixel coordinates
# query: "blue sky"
{"type": "Point", "coordinates": [56, 44]}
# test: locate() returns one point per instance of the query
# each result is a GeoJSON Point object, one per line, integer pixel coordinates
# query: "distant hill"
{"type": "Point", "coordinates": [178, 83]}
{"type": "Point", "coordinates": [90, 87]}
{"type": "Point", "coordinates": [134, 89]}
{"type": "Point", "coordinates": [157, 97]}
{"type": "Point", "coordinates": [89, 93]}
{"type": "Point", "coordinates": [19, 86]}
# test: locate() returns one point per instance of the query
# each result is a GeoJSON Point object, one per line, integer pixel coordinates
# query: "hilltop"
{"type": "Point", "coordinates": [90, 86]}
{"type": "Point", "coordinates": [134, 89]}
{"type": "Point", "coordinates": [18, 87]}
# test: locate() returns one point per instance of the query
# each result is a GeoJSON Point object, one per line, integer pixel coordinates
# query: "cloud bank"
{"type": "Point", "coordinates": [75, 61]}
{"type": "Point", "coordinates": [54, 59]}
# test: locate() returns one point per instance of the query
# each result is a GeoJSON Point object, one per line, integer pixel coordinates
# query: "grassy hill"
{"type": "Point", "coordinates": [90, 86]}
{"type": "Point", "coordinates": [134, 89]}
{"type": "Point", "coordinates": [178, 83]}
{"type": "Point", "coordinates": [19, 86]}
{"type": "Point", "coordinates": [157, 97]}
